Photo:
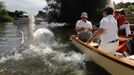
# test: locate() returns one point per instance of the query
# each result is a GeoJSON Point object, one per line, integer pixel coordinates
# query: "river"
{"type": "Point", "coordinates": [61, 58]}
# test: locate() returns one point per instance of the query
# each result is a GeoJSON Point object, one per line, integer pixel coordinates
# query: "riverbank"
{"type": "Point", "coordinates": [6, 18]}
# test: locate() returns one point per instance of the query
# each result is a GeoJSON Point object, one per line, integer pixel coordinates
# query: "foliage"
{"type": "Point", "coordinates": [131, 8]}
{"type": "Point", "coordinates": [12, 14]}
{"type": "Point", "coordinates": [70, 10]}
{"type": "Point", "coordinates": [7, 18]}
{"type": "Point", "coordinates": [53, 10]}
{"type": "Point", "coordinates": [2, 6]}
{"type": "Point", "coordinates": [18, 13]}
{"type": "Point", "coordinates": [128, 5]}
{"type": "Point", "coordinates": [2, 10]}
{"type": "Point", "coordinates": [4, 17]}
{"type": "Point", "coordinates": [42, 15]}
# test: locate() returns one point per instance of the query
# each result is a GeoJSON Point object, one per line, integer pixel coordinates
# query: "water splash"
{"type": "Point", "coordinates": [36, 37]}
{"type": "Point", "coordinates": [16, 56]}
{"type": "Point", "coordinates": [43, 60]}
{"type": "Point", "coordinates": [47, 57]}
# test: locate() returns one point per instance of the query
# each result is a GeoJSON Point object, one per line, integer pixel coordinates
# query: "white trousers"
{"type": "Point", "coordinates": [109, 47]}
{"type": "Point", "coordinates": [127, 28]}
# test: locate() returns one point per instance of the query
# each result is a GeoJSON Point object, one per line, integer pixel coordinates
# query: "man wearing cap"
{"type": "Point", "coordinates": [84, 27]}
{"type": "Point", "coordinates": [108, 32]}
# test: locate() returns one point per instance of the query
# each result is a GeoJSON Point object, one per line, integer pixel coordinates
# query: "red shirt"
{"type": "Point", "coordinates": [121, 19]}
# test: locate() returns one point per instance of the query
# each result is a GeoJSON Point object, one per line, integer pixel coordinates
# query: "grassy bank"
{"type": "Point", "coordinates": [6, 18]}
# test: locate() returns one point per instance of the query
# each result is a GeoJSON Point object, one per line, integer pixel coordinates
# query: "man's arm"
{"type": "Point", "coordinates": [90, 29]}
{"type": "Point", "coordinates": [97, 34]}
{"type": "Point", "coordinates": [79, 29]}
{"type": "Point", "coordinates": [125, 20]}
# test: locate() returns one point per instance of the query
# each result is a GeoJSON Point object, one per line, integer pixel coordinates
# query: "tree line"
{"type": "Point", "coordinates": [4, 17]}
{"type": "Point", "coordinates": [128, 5]}
{"type": "Point", "coordinates": [8, 16]}
{"type": "Point", "coordinates": [69, 11]}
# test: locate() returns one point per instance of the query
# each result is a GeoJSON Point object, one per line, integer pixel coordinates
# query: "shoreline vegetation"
{"type": "Point", "coordinates": [8, 16]}
{"type": "Point", "coordinates": [4, 17]}
{"type": "Point", "coordinates": [127, 9]}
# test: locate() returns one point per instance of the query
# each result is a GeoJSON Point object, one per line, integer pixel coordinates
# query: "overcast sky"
{"type": "Point", "coordinates": [117, 1]}
{"type": "Point", "coordinates": [30, 6]}
{"type": "Point", "coordinates": [33, 6]}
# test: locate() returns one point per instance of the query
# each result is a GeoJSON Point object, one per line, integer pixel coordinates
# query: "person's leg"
{"type": "Point", "coordinates": [127, 28]}
{"type": "Point", "coordinates": [82, 37]}
{"type": "Point", "coordinates": [89, 35]}
{"type": "Point", "coordinates": [122, 27]}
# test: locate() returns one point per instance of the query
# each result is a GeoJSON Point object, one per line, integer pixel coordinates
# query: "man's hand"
{"type": "Point", "coordinates": [79, 29]}
{"type": "Point", "coordinates": [125, 22]}
{"type": "Point", "coordinates": [96, 35]}
{"type": "Point", "coordinates": [90, 29]}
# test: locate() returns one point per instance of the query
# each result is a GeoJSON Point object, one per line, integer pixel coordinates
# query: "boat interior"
{"type": "Point", "coordinates": [125, 51]}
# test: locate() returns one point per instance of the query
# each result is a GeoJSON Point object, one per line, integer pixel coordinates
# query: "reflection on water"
{"type": "Point", "coordinates": [60, 58]}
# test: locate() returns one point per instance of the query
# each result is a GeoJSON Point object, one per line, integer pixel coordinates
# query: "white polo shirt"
{"type": "Point", "coordinates": [83, 24]}
{"type": "Point", "coordinates": [110, 24]}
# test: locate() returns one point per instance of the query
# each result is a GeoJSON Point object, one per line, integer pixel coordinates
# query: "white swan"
{"type": "Point", "coordinates": [36, 37]}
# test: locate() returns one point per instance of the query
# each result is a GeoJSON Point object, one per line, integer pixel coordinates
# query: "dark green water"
{"type": "Point", "coordinates": [61, 58]}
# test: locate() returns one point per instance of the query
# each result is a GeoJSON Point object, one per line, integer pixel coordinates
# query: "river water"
{"type": "Point", "coordinates": [59, 58]}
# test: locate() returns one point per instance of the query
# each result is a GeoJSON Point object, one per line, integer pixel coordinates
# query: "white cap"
{"type": "Point", "coordinates": [119, 9]}
{"type": "Point", "coordinates": [84, 14]}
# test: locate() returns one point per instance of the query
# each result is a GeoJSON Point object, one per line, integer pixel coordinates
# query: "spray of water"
{"type": "Point", "coordinates": [38, 36]}
{"type": "Point", "coordinates": [44, 57]}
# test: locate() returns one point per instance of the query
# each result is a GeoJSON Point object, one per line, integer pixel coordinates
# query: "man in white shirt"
{"type": "Point", "coordinates": [108, 32]}
{"type": "Point", "coordinates": [84, 27]}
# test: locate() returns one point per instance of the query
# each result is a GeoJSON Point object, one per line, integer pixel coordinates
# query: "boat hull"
{"type": "Point", "coordinates": [113, 66]}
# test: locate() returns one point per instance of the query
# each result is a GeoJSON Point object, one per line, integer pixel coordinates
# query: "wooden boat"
{"type": "Point", "coordinates": [113, 64]}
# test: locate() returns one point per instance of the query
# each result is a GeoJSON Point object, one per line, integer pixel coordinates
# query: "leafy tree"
{"type": "Point", "coordinates": [123, 5]}
{"type": "Point", "coordinates": [42, 15]}
{"type": "Point", "coordinates": [2, 9]}
{"type": "Point", "coordinates": [2, 6]}
{"type": "Point", "coordinates": [53, 9]}
{"type": "Point", "coordinates": [4, 17]}
{"type": "Point", "coordinates": [131, 8]}
{"type": "Point", "coordinates": [70, 10]}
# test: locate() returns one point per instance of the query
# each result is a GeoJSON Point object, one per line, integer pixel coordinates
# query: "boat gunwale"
{"type": "Point", "coordinates": [105, 54]}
